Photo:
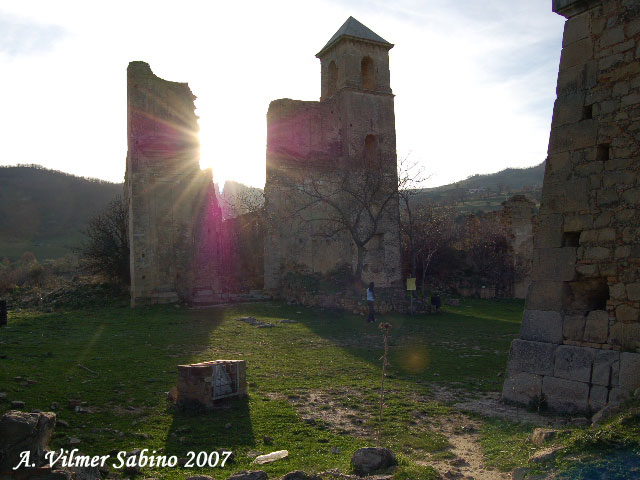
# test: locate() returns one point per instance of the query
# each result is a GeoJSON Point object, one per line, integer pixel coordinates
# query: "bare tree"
{"type": "Point", "coordinates": [105, 250]}
{"type": "Point", "coordinates": [434, 228]}
{"type": "Point", "coordinates": [355, 200]}
{"type": "Point", "coordinates": [410, 178]}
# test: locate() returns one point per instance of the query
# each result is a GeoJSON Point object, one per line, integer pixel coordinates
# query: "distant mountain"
{"type": "Point", "coordinates": [43, 211]}
{"type": "Point", "coordinates": [510, 178]}
{"type": "Point", "coordinates": [483, 193]}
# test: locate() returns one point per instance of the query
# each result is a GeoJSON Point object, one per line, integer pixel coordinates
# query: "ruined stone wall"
{"type": "Point", "coordinates": [174, 216]}
{"type": "Point", "coordinates": [518, 215]}
{"type": "Point", "coordinates": [305, 140]}
{"type": "Point", "coordinates": [580, 338]}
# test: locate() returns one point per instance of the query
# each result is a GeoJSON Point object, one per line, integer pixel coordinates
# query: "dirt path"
{"type": "Point", "coordinates": [466, 459]}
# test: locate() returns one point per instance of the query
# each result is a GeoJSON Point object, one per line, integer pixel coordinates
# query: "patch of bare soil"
{"type": "Point", "coordinates": [488, 404]}
{"type": "Point", "coordinates": [465, 459]}
{"type": "Point", "coordinates": [337, 411]}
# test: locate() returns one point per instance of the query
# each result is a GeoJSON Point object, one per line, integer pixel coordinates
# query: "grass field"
{"type": "Point", "coordinates": [313, 384]}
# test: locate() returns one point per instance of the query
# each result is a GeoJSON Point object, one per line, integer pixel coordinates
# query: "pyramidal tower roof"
{"type": "Point", "coordinates": [352, 28]}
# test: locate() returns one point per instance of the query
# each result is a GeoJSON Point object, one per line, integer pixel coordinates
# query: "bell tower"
{"type": "Point", "coordinates": [355, 79]}
{"type": "Point", "coordinates": [355, 58]}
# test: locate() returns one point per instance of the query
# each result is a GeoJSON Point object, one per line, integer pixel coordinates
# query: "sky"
{"type": "Point", "coordinates": [474, 80]}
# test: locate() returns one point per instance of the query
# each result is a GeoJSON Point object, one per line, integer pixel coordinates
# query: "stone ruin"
{"type": "Point", "coordinates": [518, 215]}
{"type": "Point", "coordinates": [206, 383]}
{"type": "Point", "coordinates": [580, 338]}
{"type": "Point", "coordinates": [354, 122]}
{"type": "Point", "coordinates": [175, 223]}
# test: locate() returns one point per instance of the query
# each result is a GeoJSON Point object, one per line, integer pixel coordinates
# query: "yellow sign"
{"type": "Point", "coordinates": [411, 283]}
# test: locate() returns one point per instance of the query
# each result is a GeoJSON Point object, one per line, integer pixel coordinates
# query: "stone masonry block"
{"type": "Point", "coordinates": [541, 326]}
{"type": "Point", "coordinates": [606, 368]}
{"type": "Point", "coordinates": [576, 28]}
{"type": "Point", "coordinates": [576, 53]}
{"type": "Point", "coordinates": [573, 363]}
{"type": "Point", "coordinates": [627, 314]}
{"type": "Point", "coordinates": [597, 327]}
{"type": "Point", "coordinates": [545, 295]}
{"type": "Point", "coordinates": [548, 231]}
{"type": "Point", "coordinates": [633, 291]}
{"type": "Point", "coordinates": [565, 395]}
{"type": "Point", "coordinates": [522, 387]}
{"type": "Point", "coordinates": [556, 264]}
{"type": "Point", "coordinates": [531, 357]}
{"type": "Point", "coordinates": [598, 397]}
{"type": "Point", "coordinates": [629, 371]}
{"type": "Point", "coordinates": [573, 327]}
{"type": "Point", "coordinates": [625, 335]}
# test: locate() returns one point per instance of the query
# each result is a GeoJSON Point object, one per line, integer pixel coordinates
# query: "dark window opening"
{"type": "Point", "coordinates": [571, 239]}
{"type": "Point", "coordinates": [368, 74]}
{"type": "Point", "coordinates": [332, 79]}
{"type": "Point", "coordinates": [602, 152]}
{"type": "Point", "coordinates": [586, 295]}
{"type": "Point", "coordinates": [587, 112]}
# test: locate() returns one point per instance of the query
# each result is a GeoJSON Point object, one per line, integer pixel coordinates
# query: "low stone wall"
{"type": "Point", "coordinates": [387, 300]}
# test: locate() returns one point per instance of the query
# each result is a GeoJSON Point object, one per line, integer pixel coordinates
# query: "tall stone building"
{"type": "Point", "coordinates": [174, 217]}
{"type": "Point", "coordinates": [352, 125]}
{"type": "Point", "coordinates": [518, 215]}
{"type": "Point", "coordinates": [580, 339]}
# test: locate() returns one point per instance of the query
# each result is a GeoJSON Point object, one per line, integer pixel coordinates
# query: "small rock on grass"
{"type": "Point", "coordinates": [271, 457]}
{"type": "Point", "coordinates": [17, 404]}
{"type": "Point", "coordinates": [300, 475]}
{"type": "Point", "coordinates": [369, 459]}
{"type": "Point", "coordinates": [542, 435]}
{"type": "Point", "coordinates": [199, 477]}
{"type": "Point", "coordinates": [545, 455]}
{"type": "Point", "coordinates": [249, 475]}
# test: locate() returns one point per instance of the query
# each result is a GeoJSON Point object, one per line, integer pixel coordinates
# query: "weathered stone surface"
{"type": "Point", "coordinates": [604, 413]}
{"type": "Point", "coordinates": [629, 371]}
{"type": "Point", "coordinates": [545, 295]}
{"type": "Point", "coordinates": [545, 455]}
{"type": "Point", "coordinates": [541, 326]}
{"type": "Point", "coordinates": [22, 432]}
{"type": "Point", "coordinates": [606, 368]}
{"type": "Point", "coordinates": [316, 141]}
{"type": "Point", "coordinates": [371, 459]}
{"type": "Point", "coordinates": [633, 291]}
{"type": "Point", "coordinates": [522, 387]}
{"type": "Point", "coordinates": [249, 475]}
{"type": "Point", "coordinates": [531, 357]}
{"type": "Point", "coordinates": [625, 335]}
{"type": "Point", "coordinates": [554, 264]}
{"type": "Point", "coordinates": [300, 475]}
{"type": "Point", "coordinates": [598, 396]}
{"type": "Point", "coordinates": [542, 435]}
{"type": "Point", "coordinates": [271, 457]}
{"type": "Point", "coordinates": [597, 327]}
{"type": "Point", "coordinates": [573, 363]}
{"type": "Point", "coordinates": [565, 395]}
{"type": "Point", "coordinates": [173, 244]}
{"type": "Point", "coordinates": [627, 314]}
{"type": "Point", "coordinates": [573, 327]}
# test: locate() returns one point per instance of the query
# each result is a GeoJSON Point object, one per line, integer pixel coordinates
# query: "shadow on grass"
{"type": "Point", "coordinates": [224, 428]}
{"type": "Point", "coordinates": [469, 344]}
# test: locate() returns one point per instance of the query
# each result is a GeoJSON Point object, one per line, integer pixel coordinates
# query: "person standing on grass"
{"type": "Point", "coordinates": [371, 297]}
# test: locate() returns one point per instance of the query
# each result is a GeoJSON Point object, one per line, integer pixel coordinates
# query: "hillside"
{"type": "Point", "coordinates": [508, 179]}
{"type": "Point", "coordinates": [43, 211]}
{"type": "Point", "coordinates": [480, 193]}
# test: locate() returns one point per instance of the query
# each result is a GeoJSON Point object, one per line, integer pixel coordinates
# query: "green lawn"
{"type": "Point", "coordinates": [314, 384]}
